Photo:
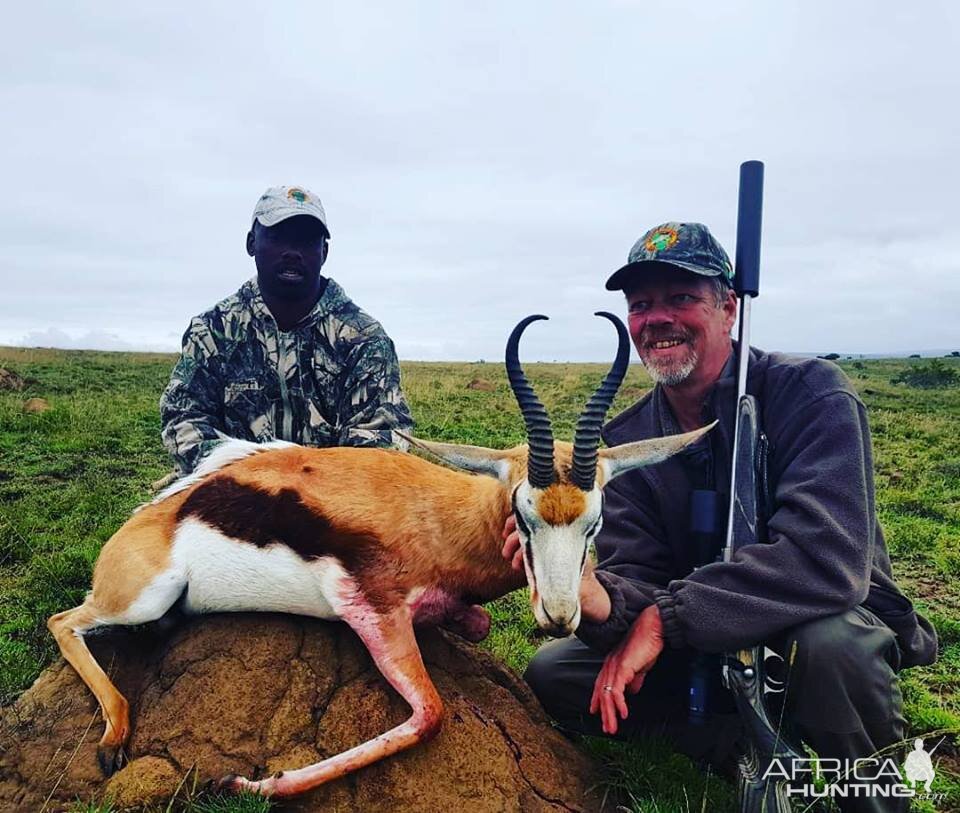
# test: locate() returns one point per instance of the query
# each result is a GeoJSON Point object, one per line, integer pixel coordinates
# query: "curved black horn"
{"type": "Point", "coordinates": [539, 434]}
{"type": "Point", "coordinates": [586, 439]}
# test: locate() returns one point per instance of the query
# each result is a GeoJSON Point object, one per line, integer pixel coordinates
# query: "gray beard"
{"type": "Point", "coordinates": [671, 375]}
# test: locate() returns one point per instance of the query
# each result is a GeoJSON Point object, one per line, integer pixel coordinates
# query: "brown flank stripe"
{"type": "Point", "coordinates": [248, 514]}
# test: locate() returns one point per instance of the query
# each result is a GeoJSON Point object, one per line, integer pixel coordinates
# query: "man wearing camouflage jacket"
{"type": "Point", "coordinates": [289, 356]}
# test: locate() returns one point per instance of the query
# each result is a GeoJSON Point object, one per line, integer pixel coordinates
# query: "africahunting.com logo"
{"type": "Point", "coordinates": [819, 778]}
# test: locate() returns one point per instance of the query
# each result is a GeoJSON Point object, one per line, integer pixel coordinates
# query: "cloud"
{"type": "Point", "coordinates": [89, 340]}
{"type": "Point", "coordinates": [481, 163]}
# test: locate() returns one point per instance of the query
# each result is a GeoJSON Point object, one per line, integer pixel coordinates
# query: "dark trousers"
{"type": "Point", "coordinates": [842, 696]}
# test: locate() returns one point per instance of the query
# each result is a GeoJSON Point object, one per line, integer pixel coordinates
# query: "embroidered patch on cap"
{"type": "Point", "coordinates": [661, 239]}
{"type": "Point", "coordinates": [298, 195]}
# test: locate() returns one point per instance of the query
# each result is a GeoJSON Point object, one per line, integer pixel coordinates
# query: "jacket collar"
{"type": "Point", "coordinates": [332, 300]}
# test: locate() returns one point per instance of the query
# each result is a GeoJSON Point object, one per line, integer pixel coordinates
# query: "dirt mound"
{"type": "Point", "coordinates": [9, 380]}
{"type": "Point", "coordinates": [255, 693]}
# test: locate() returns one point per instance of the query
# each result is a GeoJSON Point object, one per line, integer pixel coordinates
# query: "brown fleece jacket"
{"type": "Point", "coordinates": [826, 551]}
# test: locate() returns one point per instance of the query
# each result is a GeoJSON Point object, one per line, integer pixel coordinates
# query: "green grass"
{"type": "Point", "coordinates": [647, 777]}
{"type": "Point", "coordinates": [69, 478]}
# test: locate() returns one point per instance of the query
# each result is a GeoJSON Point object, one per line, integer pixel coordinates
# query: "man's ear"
{"type": "Point", "coordinates": [325, 251]}
{"type": "Point", "coordinates": [251, 243]}
{"type": "Point", "coordinates": [730, 309]}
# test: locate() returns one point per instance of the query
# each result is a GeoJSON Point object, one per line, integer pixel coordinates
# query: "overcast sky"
{"type": "Point", "coordinates": [479, 162]}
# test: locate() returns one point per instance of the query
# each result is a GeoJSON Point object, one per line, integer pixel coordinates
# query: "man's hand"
{"type": "Point", "coordinates": [511, 544]}
{"type": "Point", "coordinates": [626, 667]}
{"type": "Point", "coordinates": [594, 598]}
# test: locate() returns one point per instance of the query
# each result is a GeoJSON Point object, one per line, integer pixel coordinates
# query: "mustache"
{"type": "Point", "coordinates": [650, 337]}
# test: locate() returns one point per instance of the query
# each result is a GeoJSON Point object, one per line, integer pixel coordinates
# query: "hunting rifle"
{"type": "Point", "coordinates": [745, 671]}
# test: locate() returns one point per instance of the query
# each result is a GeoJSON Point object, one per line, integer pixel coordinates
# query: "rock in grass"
{"type": "Point", "coordinates": [248, 694]}
{"type": "Point", "coordinates": [9, 380]}
{"type": "Point", "coordinates": [145, 781]}
{"type": "Point", "coordinates": [35, 406]}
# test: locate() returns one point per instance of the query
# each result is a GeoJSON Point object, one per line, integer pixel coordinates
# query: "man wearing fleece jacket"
{"type": "Point", "coordinates": [823, 583]}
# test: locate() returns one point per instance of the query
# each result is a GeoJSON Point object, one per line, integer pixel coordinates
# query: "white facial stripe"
{"type": "Point", "coordinates": [558, 557]}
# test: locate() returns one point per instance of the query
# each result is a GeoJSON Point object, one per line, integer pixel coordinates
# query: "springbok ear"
{"type": "Point", "coordinates": [627, 456]}
{"type": "Point", "coordinates": [476, 459]}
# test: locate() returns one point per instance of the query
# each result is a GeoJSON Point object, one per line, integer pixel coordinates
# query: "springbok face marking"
{"type": "Point", "coordinates": [556, 526]}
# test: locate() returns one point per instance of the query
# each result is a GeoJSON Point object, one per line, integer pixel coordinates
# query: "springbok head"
{"type": "Point", "coordinates": [556, 487]}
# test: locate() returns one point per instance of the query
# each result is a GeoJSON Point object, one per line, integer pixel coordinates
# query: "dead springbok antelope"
{"type": "Point", "coordinates": [377, 538]}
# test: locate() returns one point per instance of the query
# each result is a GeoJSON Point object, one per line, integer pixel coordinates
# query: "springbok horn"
{"type": "Point", "coordinates": [539, 434]}
{"type": "Point", "coordinates": [586, 439]}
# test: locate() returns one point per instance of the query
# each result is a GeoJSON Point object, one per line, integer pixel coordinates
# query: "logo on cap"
{"type": "Point", "coordinates": [298, 195]}
{"type": "Point", "coordinates": [661, 239]}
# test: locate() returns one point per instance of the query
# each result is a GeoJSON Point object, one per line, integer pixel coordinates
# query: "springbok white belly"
{"type": "Point", "coordinates": [223, 575]}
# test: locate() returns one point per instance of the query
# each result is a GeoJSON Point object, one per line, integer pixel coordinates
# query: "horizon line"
{"type": "Point", "coordinates": [900, 354]}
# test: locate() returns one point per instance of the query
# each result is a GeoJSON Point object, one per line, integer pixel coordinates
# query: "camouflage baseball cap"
{"type": "Point", "coordinates": [689, 246]}
{"type": "Point", "coordinates": [280, 202]}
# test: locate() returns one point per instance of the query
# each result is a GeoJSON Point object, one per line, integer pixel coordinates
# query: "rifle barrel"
{"type": "Point", "coordinates": [746, 282]}
{"type": "Point", "coordinates": [749, 222]}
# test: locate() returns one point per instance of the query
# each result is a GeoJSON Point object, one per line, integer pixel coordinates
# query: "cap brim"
{"type": "Point", "coordinates": [619, 278]}
{"type": "Point", "coordinates": [279, 215]}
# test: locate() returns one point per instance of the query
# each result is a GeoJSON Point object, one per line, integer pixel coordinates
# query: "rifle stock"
{"type": "Point", "coordinates": [744, 672]}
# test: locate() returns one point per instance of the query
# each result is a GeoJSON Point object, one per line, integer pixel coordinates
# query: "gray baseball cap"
{"type": "Point", "coordinates": [689, 246]}
{"type": "Point", "coordinates": [280, 202]}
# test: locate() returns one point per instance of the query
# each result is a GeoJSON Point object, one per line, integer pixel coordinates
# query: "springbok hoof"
{"type": "Point", "coordinates": [111, 758]}
{"type": "Point", "coordinates": [239, 784]}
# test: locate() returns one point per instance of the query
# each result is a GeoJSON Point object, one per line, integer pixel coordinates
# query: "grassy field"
{"type": "Point", "coordinates": [70, 476]}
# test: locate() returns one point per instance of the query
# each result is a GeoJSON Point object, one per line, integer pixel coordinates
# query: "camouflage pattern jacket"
{"type": "Point", "coordinates": [332, 380]}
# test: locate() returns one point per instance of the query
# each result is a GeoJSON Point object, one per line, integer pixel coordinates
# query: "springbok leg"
{"type": "Point", "coordinates": [389, 638]}
{"type": "Point", "coordinates": [68, 628]}
{"type": "Point", "coordinates": [116, 599]}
